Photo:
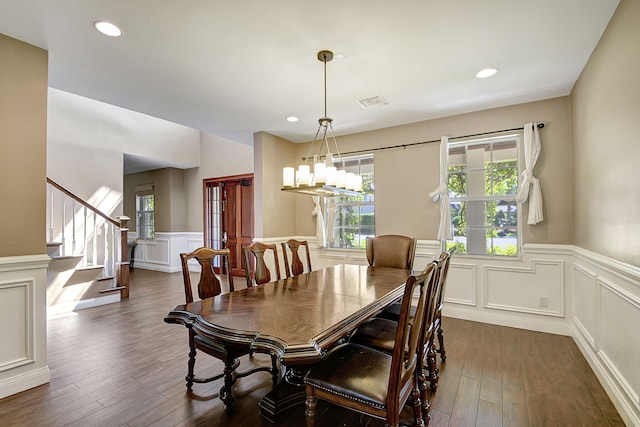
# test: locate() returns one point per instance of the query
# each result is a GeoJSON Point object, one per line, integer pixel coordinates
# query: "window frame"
{"type": "Point", "coordinates": [517, 137]}
{"type": "Point", "coordinates": [347, 201]}
{"type": "Point", "coordinates": [140, 214]}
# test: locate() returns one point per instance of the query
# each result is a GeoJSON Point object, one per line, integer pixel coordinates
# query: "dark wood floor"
{"type": "Point", "coordinates": [121, 365]}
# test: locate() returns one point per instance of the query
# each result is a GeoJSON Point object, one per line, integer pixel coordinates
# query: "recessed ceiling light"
{"type": "Point", "coordinates": [292, 119]}
{"type": "Point", "coordinates": [107, 28]}
{"type": "Point", "coordinates": [487, 72]}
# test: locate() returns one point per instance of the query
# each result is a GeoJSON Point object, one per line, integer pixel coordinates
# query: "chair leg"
{"type": "Point", "coordinates": [275, 371]}
{"type": "Point", "coordinates": [443, 353]}
{"type": "Point", "coordinates": [310, 410]}
{"type": "Point", "coordinates": [226, 394]}
{"type": "Point", "coordinates": [417, 407]}
{"type": "Point", "coordinates": [433, 368]}
{"type": "Point", "coordinates": [190, 365]}
{"type": "Point", "coordinates": [424, 398]}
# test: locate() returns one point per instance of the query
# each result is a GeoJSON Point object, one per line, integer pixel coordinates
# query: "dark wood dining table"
{"type": "Point", "coordinates": [297, 319]}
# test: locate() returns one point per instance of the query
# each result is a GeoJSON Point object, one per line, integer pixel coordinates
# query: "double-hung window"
{"type": "Point", "coordinates": [483, 182]}
{"type": "Point", "coordinates": [145, 216]}
{"type": "Point", "coordinates": [354, 217]}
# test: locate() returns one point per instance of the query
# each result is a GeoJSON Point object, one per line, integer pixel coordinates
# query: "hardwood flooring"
{"type": "Point", "coordinates": [121, 365]}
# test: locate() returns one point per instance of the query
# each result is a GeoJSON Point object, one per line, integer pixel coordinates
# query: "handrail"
{"type": "Point", "coordinates": [83, 203]}
{"type": "Point", "coordinates": [119, 261]}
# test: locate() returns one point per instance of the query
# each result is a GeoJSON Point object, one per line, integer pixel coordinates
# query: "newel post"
{"type": "Point", "coordinates": [122, 267]}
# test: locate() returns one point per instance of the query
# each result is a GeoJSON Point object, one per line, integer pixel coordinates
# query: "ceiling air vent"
{"type": "Point", "coordinates": [374, 101]}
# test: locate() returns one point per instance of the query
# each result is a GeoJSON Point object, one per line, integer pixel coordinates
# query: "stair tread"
{"type": "Point", "coordinates": [66, 257]}
{"type": "Point", "coordinates": [114, 289]}
{"type": "Point", "coordinates": [90, 267]}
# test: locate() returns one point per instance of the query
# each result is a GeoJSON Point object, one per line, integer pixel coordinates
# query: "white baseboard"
{"type": "Point", "coordinates": [61, 309]}
{"type": "Point", "coordinates": [24, 381]}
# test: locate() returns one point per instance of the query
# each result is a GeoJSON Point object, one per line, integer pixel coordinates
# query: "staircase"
{"type": "Point", "coordinates": [88, 249]}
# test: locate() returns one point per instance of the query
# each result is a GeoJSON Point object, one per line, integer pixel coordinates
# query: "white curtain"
{"type": "Point", "coordinates": [331, 215]}
{"type": "Point", "coordinates": [530, 187]}
{"type": "Point", "coordinates": [317, 212]}
{"type": "Point", "coordinates": [441, 193]}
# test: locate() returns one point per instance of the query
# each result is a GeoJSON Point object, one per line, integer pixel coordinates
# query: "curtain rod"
{"type": "Point", "coordinates": [540, 126]}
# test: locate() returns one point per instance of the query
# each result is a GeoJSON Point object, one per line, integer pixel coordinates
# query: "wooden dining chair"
{"type": "Point", "coordinates": [209, 285]}
{"type": "Point", "coordinates": [296, 263]}
{"type": "Point", "coordinates": [391, 250]}
{"type": "Point", "coordinates": [445, 258]}
{"type": "Point", "coordinates": [370, 381]}
{"type": "Point", "coordinates": [380, 333]}
{"type": "Point", "coordinates": [256, 269]}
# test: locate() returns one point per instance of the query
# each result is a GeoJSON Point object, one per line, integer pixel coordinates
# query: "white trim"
{"type": "Point", "coordinates": [25, 262]}
{"type": "Point", "coordinates": [24, 381]}
{"type": "Point", "coordinates": [59, 309]}
{"type": "Point", "coordinates": [28, 367]}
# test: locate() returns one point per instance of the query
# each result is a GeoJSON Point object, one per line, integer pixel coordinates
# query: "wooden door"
{"type": "Point", "coordinates": [228, 214]}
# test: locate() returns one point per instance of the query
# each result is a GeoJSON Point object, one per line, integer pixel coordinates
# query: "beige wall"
{"type": "Point", "coordinates": [404, 177]}
{"type": "Point", "coordinates": [23, 120]}
{"type": "Point", "coordinates": [169, 191]}
{"type": "Point", "coordinates": [606, 141]}
{"type": "Point", "coordinates": [219, 157]}
{"type": "Point", "coordinates": [275, 210]}
{"type": "Point", "coordinates": [86, 141]}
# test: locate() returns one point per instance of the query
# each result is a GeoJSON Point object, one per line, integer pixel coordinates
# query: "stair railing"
{"type": "Point", "coordinates": [82, 229]}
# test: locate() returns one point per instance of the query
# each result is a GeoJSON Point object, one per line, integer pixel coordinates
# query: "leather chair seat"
{"type": "Point", "coordinates": [392, 311]}
{"type": "Point", "coordinates": [376, 333]}
{"type": "Point", "coordinates": [355, 372]}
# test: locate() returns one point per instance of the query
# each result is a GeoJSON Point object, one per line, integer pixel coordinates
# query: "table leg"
{"type": "Point", "coordinates": [288, 393]}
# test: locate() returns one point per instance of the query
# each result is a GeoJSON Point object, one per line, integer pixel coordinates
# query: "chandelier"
{"type": "Point", "coordinates": [326, 180]}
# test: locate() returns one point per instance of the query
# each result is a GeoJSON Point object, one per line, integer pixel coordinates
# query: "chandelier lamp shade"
{"type": "Point", "coordinates": [325, 179]}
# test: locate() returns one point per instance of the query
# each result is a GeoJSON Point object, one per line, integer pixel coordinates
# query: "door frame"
{"type": "Point", "coordinates": [208, 208]}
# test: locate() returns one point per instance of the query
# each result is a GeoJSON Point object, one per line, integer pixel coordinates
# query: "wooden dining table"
{"type": "Point", "coordinates": [297, 319]}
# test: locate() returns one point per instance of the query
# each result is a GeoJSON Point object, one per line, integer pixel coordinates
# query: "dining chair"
{"type": "Point", "coordinates": [256, 269]}
{"type": "Point", "coordinates": [370, 381]}
{"type": "Point", "coordinates": [445, 257]}
{"type": "Point", "coordinates": [391, 250]}
{"type": "Point", "coordinates": [296, 263]}
{"type": "Point", "coordinates": [209, 285]}
{"type": "Point", "coordinates": [380, 333]}
{"type": "Point", "coordinates": [377, 331]}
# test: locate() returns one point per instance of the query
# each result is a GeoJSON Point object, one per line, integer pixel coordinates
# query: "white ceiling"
{"type": "Point", "coordinates": [234, 68]}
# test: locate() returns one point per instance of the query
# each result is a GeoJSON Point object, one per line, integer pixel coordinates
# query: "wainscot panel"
{"type": "Point", "coordinates": [23, 323]}
{"type": "Point", "coordinates": [163, 252]}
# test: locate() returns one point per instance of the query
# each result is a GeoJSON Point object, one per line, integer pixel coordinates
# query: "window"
{"type": "Point", "coordinates": [145, 216]}
{"type": "Point", "coordinates": [483, 183]}
{"type": "Point", "coordinates": [354, 218]}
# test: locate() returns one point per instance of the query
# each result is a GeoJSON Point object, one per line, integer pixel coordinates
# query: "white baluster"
{"type": "Point", "coordinates": [51, 214]}
{"type": "Point", "coordinates": [94, 257]}
{"type": "Point", "coordinates": [107, 261]}
{"type": "Point", "coordinates": [73, 227]}
{"type": "Point", "coordinates": [84, 237]}
{"type": "Point", "coordinates": [64, 221]}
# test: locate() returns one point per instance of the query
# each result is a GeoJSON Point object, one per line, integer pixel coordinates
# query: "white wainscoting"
{"type": "Point", "coordinates": [163, 252]}
{"type": "Point", "coordinates": [606, 317]}
{"type": "Point", "coordinates": [23, 323]}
